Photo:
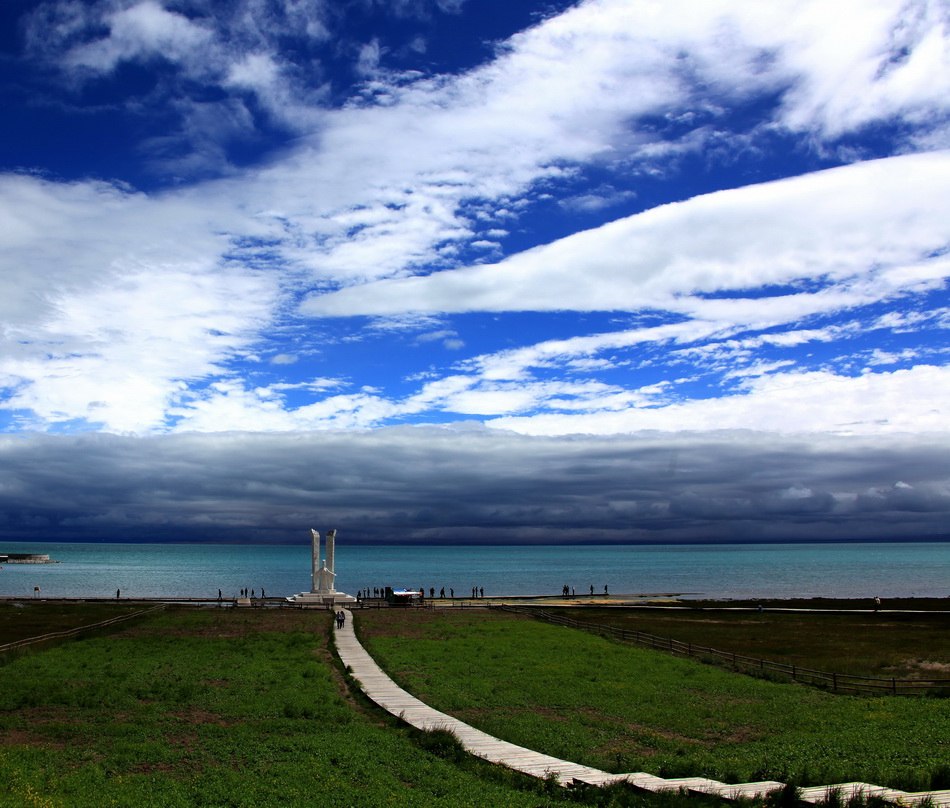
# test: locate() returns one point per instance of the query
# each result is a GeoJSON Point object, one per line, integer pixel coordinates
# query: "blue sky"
{"type": "Point", "coordinates": [565, 227]}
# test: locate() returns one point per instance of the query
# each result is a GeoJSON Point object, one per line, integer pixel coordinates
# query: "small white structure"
{"type": "Point", "coordinates": [322, 590]}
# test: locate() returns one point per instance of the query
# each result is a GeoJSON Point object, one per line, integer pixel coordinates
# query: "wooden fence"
{"type": "Point", "coordinates": [72, 632]}
{"type": "Point", "coordinates": [837, 682]}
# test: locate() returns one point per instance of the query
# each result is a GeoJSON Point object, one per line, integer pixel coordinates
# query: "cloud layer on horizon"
{"type": "Point", "coordinates": [428, 484]}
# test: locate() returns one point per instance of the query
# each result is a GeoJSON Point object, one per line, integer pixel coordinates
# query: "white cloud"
{"type": "Point", "coordinates": [835, 224]}
{"type": "Point", "coordinates": [879, 357]}
{"type": "Point", "coordinates": [595, 200]}
{"type": "Point", "coordinates": [757, 368]}
{"type": "Point", "coordinates": [148, 299]}
{"type": "Point", "coordinates": [368, 62]}
{"type": "Point", "coordinates": [126, 301]}
{"type": "Point", "coordinates": [566, 91]}
{"type": "Point", "coordinates": [144, 30]}
{"type": "Point", "coordinates": [489, 398]}
{"type": "Point", "coordinates": [888, 60]}
{"type": "Point", "coordinates": [903, 401]}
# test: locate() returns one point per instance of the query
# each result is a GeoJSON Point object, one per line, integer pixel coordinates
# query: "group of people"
{"type": "Point", "coordinates": [244, 593]}
{"type": "Point", "coordinates": [570, 592]}
{"type": "Point", "coordinates": [477, 592]}
{"type": "Point", "coordinates": [380, 592]}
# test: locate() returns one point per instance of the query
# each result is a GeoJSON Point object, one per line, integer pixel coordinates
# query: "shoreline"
{"type": "Point", "coordinates": [659, 601]}
{"type": "Point", "coordinates": [163, 571]}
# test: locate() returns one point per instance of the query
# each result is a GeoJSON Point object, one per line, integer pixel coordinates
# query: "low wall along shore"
{"type": "Point", "coordinates": [26, 558]}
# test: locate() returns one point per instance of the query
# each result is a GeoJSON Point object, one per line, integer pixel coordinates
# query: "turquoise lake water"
{"type": "Point", "coordinates": [731, 570]}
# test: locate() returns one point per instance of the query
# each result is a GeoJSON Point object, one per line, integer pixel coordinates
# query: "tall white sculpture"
{"type": "Point", "coordinates": [322, 575]}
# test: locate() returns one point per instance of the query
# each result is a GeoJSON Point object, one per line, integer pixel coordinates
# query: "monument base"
{"type": "Point", "coordinates": [322, 598]}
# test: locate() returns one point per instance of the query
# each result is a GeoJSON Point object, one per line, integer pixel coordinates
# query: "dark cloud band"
{"type": "Point", "coordinates": [420, 484]}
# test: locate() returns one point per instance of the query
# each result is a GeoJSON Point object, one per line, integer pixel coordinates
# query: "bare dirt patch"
{"type": "Point", "coordinates": [940, 667]}
{"type": "Point", "coordinates": [25, 737]}
{"type": "Point", "coordinates": [920, 669]}
{"type": "Point", "coordinates": [32, 718]}
{"type": "Point", "coordinates": [342, 688]}
{"type": "Point", "coordinates": [198, 716]}
{"type": "Point", "coordinates": [151, 768]}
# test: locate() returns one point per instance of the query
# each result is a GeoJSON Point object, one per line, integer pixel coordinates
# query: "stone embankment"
{"type": "Point", "coordinates": [26, 558]}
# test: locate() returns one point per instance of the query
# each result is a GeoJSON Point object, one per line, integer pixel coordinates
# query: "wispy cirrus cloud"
{"type": "Point", "coordinates": [832, 226]}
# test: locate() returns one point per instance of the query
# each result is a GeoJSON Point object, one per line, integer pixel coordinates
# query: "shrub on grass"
{"type": "Point", "coordinates": [625, 795]}
{"type": "Point", "coordinates": [788, 796]}
{"type": "Point", "coordinates": [442, 743]}
{"type": "Point", "coordinates": [940, 778]}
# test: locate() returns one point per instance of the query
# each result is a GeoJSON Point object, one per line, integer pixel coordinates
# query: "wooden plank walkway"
{"type": "Point", "coordinates": [392, 698]}
{"type": "Point", "coordinates": [387, 694]}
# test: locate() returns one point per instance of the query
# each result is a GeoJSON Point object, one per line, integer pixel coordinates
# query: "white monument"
{"type": "Point", "coordinates": [322, 590]}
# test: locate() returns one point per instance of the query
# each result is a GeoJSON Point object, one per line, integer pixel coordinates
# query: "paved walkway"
{"type": "Point", "coordinates": [392, 698]}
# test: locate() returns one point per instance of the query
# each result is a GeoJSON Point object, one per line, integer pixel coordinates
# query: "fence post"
{"type": "Point", "coordinates": [834, 681]}
{"type": "Point", "coordinates": [794, 674]}
{"type": "Point", "coordinates": [894, 686]}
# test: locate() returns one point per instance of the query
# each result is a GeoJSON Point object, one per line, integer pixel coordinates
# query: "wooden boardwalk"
{"type": "Point", "coordinates": [387, 694]}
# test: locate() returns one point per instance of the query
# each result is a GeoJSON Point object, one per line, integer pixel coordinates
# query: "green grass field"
{"type": "Point", "coordinates": [247, 709]}
{"type": "Point", "coordinates": [20, 620]}
{"type": "Point", "coordinates": [868, 644]}
{"type": "Point", "coordinates": [217, 708]}
{"type": "Point", "coordinates": [614, 706]}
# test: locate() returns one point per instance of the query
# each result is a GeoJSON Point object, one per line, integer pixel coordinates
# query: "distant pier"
{"type": "Point", "coordinates": [26, 558]}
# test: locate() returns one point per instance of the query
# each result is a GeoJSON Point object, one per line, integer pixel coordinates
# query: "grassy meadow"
{"type": "Point", "coordinates": [218, 708]}
{"type": "Point", "coordinates": [229, 708]}
{"type": "Point", "coordinates": [20, 620]}
{"type": "Point", "coordinates": [623, 708]}
{"type": "Point", "coordinates": [868, 644]}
